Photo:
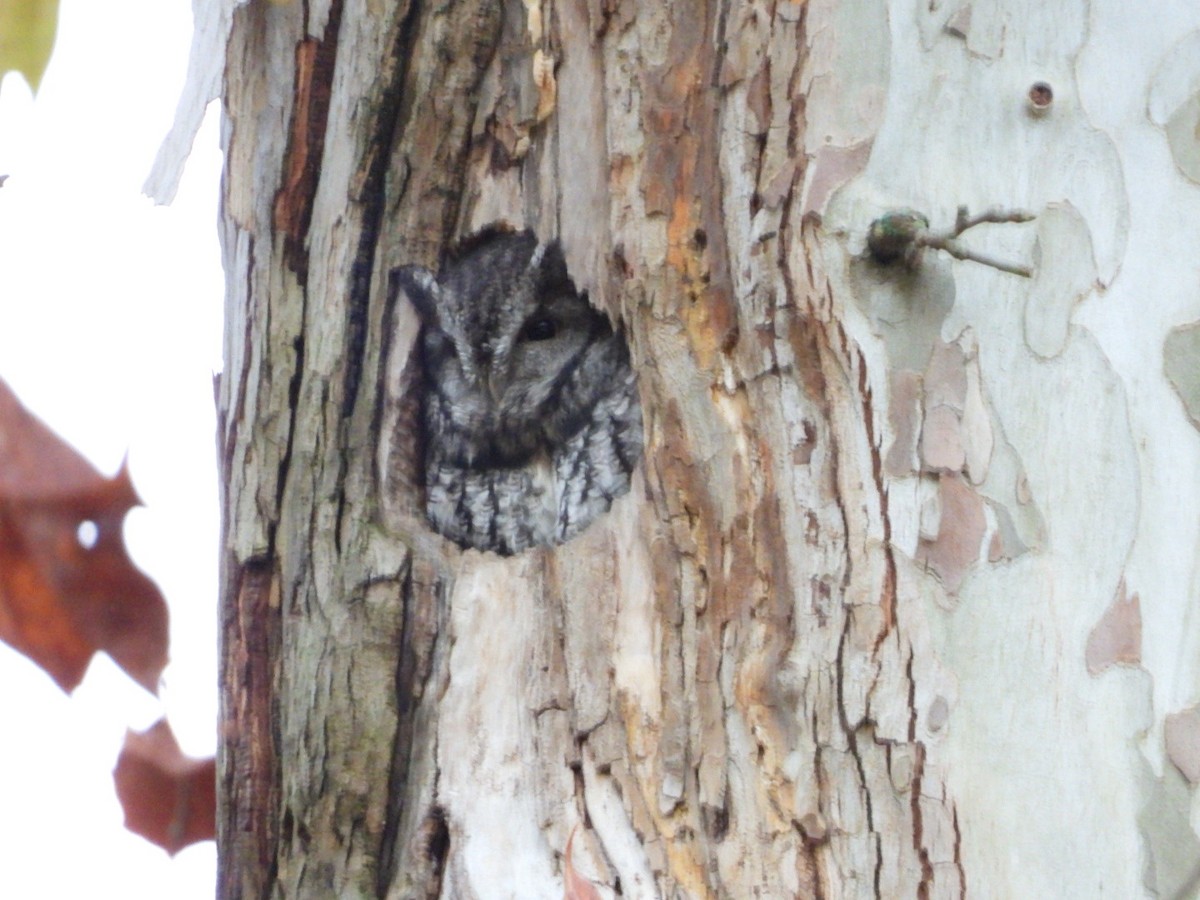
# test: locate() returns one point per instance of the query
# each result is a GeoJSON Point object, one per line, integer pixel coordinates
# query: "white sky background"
{"type": "Point", "coordinates": [110, 314]}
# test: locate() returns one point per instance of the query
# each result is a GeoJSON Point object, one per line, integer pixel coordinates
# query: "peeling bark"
{"type": "Point", "coordinates": [852, 629]}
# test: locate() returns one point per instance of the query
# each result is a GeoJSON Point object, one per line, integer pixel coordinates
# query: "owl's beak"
{"type": "Point", "coordinates": [492, 379]}
{"type": "Point", "coordinates": [489, 371]}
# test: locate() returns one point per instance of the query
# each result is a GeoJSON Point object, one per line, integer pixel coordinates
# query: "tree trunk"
{"type": "Point", "coordinates": [868, 623]}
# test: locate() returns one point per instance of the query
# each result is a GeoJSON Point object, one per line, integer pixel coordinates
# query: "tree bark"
{"type": "Point", "coordinates": [868, 623]}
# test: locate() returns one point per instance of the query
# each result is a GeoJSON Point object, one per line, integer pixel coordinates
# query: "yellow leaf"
{"type": "Point", "coordinates": [27, 29]}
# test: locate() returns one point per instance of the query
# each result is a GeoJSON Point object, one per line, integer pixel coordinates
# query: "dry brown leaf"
{"type": "Point", "coordinates": [67, 585]}
{"type": "Point", "coordinates": [168, 798]}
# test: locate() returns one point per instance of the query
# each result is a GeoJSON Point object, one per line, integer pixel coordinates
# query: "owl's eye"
{"type": "Point", "coordinates": [539, 328]}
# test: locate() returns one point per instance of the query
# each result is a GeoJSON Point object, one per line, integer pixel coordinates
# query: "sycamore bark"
{"type": "Point", "coordinates": [906, 570]}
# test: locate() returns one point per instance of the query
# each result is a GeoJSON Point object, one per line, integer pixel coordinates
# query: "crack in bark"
{"type": "Point", "coordinates": [250, 770]}
{"type": "Point", "coordinates": [401, 748]}
{"type": "Point", "coordinates": [436, 831]}
{"type": "Point", "coordinates": [285, 459]}
{"type": "Point", "coordinates": [292, 210]}
{"type": "Point", "coordinates": [378, 153]}
{"type": "Point", "coordinates": [312, 84]}
{"type": "Point", "coordinates": [224, 432]}
{"type": "Point", "coordinates": [958, 861]}
{"type": "Point", "coordinates": [851, 733]}
{"type": "Point", "coordinates": [887, 599]}
{"type": "Point", "coordinates": [918, 829]}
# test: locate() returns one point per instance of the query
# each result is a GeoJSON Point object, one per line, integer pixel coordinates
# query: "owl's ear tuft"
{"type": "Point", "coordinates": [551, 266]}
{"type": "Point", "coordinates": [421, 288]}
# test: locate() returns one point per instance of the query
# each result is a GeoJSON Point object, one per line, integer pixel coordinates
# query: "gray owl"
{"type": "Point", "coordinates": [531, 412]}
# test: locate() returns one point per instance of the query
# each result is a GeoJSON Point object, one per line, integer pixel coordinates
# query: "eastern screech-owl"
{"type": "Point", "coordinates": [531, 412]}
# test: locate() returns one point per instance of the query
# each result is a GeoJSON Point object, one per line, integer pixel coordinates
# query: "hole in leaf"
{"type": "Point", "coordinates": [87, 534]}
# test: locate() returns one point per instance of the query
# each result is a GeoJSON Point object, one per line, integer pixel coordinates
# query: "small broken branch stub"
{"type": "Point", "coordinates": [901, 234]}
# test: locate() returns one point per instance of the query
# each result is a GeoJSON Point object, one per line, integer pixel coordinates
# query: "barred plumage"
{"type": "Point", "coordinates": [531, 412]}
